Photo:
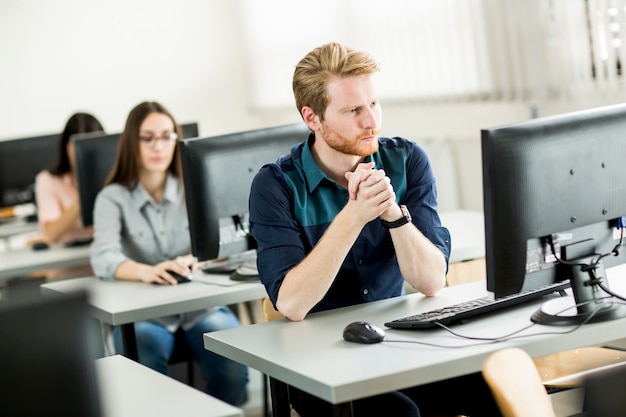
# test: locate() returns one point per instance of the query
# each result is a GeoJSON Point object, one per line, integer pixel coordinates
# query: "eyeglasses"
{"type": "Point", "coordinates": [152, 140]}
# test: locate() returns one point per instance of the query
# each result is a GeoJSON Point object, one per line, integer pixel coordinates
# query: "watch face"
{"type": "Point", "coordinates": [405, 211]}
{"type": "Point", "coordinates": [406, 218]}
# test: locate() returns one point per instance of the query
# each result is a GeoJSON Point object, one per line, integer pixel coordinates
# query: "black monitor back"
{"type": "Point", "coordinates": [218, 172]}
{"type": "Point", "coordinates": [190, 130]}
{"type": "Point", "coordinates": [47, 355]}
{"type": "Point", "coordinates": [95, 155]}
{"type": "Point", "coordinates": [560, 176]}
{"type": "Point", "coordinates": [20, 162]}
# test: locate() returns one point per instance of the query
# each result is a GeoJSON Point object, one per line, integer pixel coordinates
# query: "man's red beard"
{"type": "Point", "coordinates": [348, 146]}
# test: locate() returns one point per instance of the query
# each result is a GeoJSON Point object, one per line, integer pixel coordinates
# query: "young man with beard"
{"type": "Point", "coordinates": [347, 216]}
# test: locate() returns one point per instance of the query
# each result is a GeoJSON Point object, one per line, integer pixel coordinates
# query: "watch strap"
{"type": "Point", "coordinates": [406, 218]}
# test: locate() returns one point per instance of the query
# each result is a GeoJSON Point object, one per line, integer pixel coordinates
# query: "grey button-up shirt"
{"type": "Point", "coordinates": [130, 225]}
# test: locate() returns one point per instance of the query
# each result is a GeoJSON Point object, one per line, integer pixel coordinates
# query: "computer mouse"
{"type": "Point", "coordinates": [40, 246]}
{"type": "Point", "coordinates": [363, 332]}
{"type": "Point", "coordinates": [181, 279]}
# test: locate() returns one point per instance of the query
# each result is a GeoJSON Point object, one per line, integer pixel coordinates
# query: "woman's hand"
{"type": "Point", "coordinates": [159, 273]}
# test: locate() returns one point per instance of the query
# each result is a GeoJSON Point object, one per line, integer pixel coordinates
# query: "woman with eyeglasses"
{"type": "Point", "coordinates": [141, 233]}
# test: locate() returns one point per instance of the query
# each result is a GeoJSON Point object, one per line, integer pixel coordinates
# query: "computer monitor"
{"type": "Point", "coordinates": [217, 173]}
{"type": "Point", "coordinates": [95, 155]}
{"type": "Point", "coordinates": [190, 130]}
{"type": "Point", "coordinates": [554, 193]}
{"type": "Point", "coordinates": [47, 355]}
{"type": "Point", "coordinates": [20, 162]}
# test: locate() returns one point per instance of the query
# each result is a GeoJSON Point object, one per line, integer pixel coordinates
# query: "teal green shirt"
{"type": "Point", "coordinates": [292, 202]}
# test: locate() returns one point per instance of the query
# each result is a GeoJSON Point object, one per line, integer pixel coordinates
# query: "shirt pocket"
{"type": "Point", "coordinates": [139, 232]}
{"type": "Point", "coordinates": [142, 244]}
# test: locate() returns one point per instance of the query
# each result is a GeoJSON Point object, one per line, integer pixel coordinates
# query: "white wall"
{"type": "Point", "coordinates": [105, 57]}
{"type": "Point", "coordinates": [58, 57]}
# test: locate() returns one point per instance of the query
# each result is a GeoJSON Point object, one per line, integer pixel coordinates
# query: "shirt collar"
{"type": "Point", "coordinates": [312, 171]}
{"type": "Point", "coordinates": [314, 175]}
{"type": "Point", "coordinates": [141, 197]}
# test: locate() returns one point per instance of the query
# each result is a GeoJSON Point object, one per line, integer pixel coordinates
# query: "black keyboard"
{"type": "Point", "coordinates": [462, 311]}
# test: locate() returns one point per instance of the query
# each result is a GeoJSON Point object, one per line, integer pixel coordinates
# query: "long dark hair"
{"type": "Point", "coordinates": [126, 167]}
{"type": "Point", "coordinates": [78, 123]}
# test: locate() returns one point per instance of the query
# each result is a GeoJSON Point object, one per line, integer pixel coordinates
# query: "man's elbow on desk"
{"type": "Point", "coordinates": [431, 291]}
{"type": "Point", "coordinates": [429, 287]}
{"type": "Point", "coordinates": [292, 312]}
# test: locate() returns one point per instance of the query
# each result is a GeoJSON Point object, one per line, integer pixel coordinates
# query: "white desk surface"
{"type": "Point", "coordinates": [27, 260]}
{"type": "Point", "coordinates": [122, 302]}
{"type": "Point", "coordinates": [467, 231]}
{"type": "Point", "coordinates": [17, 227]}
{"type": "Point", "coordinates": [312, 355]}
{"type": "Point", "coordinates": [129, 389]}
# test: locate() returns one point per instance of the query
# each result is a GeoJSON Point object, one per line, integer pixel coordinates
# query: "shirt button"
{"type": "Point", "coordinates": [365, 291]}
{"type": "Point", "coordinates": [360, 261]}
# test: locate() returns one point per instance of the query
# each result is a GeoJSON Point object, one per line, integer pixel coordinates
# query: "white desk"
{"type": "Point", "coordinates": [129, 389]}
{"type": "Point", "coordinates": [312, 356]}
{"type": "Point", "coordinates": [125, 302]}
{"type": "Point", "coordinates": [17, 227]}
{"type": "Point", "coordinates": [467, 231]}
{"type": "Point", "coordinates": [27, 260]}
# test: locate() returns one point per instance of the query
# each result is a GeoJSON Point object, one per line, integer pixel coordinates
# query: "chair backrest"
{"type": "Point", "coordinates": [515, 384]}
{"type": "Point", "coordinates": [269, 311]}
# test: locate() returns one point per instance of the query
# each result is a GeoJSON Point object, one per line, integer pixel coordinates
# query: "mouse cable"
{"type": "Point", "coordinates": [516, 335]}
{"type": "Point", "coordinates": [486, 341]}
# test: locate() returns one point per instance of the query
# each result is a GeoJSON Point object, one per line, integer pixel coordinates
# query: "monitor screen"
{"type": "Point", "coordinates": [95, 155]}
{"type": "Point", "coordinates": [554, 193]}
{"type": "Point", "coordinates": [20, 162]}
{"type": "Point", "coordinates": [217, 173]}
{"type": "Point", "coordinates": [47, 355]}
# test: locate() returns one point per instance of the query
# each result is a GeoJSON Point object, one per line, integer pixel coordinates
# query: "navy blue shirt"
{"type": "Point", "coordinates": [292, 202]}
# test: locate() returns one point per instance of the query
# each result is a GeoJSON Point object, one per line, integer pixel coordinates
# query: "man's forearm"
{"type": "Point", "coordinates": [308, 282]}
{"type": "Point", "coordinates": [421, 263]}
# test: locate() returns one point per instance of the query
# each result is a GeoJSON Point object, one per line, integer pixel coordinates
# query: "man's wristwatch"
{"type": "Point", "coordinates": [406, 218]}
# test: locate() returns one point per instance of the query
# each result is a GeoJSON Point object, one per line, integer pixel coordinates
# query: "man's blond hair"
{"type": "Point", "coordinates": [322, 64]}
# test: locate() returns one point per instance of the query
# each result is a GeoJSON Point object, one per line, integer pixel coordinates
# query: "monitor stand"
{"type": "Point", "coordinates": [588, 304]}
{"type": "Point", "coordinates": [562, 311]}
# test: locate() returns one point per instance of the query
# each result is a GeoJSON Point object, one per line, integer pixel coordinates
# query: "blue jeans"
{"type": "Point", "coordinates": [225, 379]}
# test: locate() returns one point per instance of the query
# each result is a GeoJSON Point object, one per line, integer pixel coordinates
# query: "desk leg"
{"type": "Point", "coordinates": [130, 342]}
{"type": "Point", "coordinates": [342, 410]}
{"type": "Point", "coordinates": [280, 398]}
{"type": "Point", "coordinates": [266, 391]}
{"type": "Point", "coordinates": [282, 408]}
